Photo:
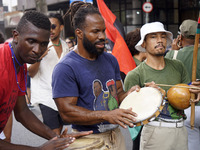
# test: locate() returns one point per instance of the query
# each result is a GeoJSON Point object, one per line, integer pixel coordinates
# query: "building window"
{"type": "Point", "coordinates": [170, 12]}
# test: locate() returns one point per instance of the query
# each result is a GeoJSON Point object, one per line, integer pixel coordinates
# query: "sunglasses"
{"type": "Point", "coordinates": [69, 42]}
{"type": "Point", "coordinates": [53, 26]}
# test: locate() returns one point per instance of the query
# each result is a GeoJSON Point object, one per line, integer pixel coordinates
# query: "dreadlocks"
{"type": "Point", "coordinates": [78, 11]}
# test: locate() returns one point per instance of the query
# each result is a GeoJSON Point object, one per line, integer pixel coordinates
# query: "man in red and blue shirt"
{"type": "Point", "coordinates": [30, 40]}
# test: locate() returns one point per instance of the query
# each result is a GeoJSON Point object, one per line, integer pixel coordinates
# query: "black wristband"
{"type": "Point", "coordinates": [39, 60]}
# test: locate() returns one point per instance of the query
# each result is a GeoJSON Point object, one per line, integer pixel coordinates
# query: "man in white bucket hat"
{"type": "Point", "coordinates": [167, 131]}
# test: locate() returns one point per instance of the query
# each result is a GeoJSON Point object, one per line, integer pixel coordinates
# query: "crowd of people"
{"type": "Point", "coordinates": [79, 83]}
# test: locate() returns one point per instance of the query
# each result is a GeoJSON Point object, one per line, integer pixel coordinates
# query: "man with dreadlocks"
{"type": "Point", "coordinates": [30, 40]}
{"type": "Point", "coordinates": [74, 76]}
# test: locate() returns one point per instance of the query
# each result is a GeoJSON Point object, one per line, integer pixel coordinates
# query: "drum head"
{"type": "Point", "coordinates": [145, 103]}
{"type": "Point", "coordinates": [86, 144]}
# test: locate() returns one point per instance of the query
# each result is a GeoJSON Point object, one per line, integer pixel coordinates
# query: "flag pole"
{"type": "Point", "coordinates": [194, 70]}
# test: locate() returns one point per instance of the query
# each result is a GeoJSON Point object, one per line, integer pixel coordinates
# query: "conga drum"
{"type": "Point", "coordinates": [85, 143]}
{"type": "Point", "coordinates": [147, 103]}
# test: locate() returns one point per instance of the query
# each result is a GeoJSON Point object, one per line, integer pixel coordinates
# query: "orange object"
{"type": "Point", "coordinates": [115, 34]}
{"type": "Point", "coordinates": [179, 97]}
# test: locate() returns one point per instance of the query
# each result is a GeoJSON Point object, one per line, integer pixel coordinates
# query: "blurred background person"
{"type": "Point", "coordinates": [2, 39]}
{"type": "Point", "coordinates": [182, 49]}
{"type": "Point", "coordinates": [28, 92]}
{"type": "Point", "coordinates": [131, 40]}
{"type": "Point", "coordinates": [70, 42]}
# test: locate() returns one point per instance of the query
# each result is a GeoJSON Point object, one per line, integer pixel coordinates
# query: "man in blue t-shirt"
{"type": "Point", "coordinates": [86, 83]}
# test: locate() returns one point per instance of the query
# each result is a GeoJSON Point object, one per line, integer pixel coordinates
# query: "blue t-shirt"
{"type": "Point", "coordinates": [93, 82]}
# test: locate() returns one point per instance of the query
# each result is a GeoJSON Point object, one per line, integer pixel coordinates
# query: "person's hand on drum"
{"type": "Point", "coordinates": [122, 117]}
{"type": "Point", "coordinates": [134, 88]}
{"type": "Point", "coordinates": [57, 143]}
{"type": "Point", "coordinates": [153, 84]}
{"type": "Point", "coordinates": [196, 91]}
{"type": "Point", "coordinates": [75, 134]}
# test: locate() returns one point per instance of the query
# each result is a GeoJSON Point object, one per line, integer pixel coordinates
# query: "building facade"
{"type": "Point", "coordinates": [130, 13]}
{"type": "Point", "coordinates": [170, 12]}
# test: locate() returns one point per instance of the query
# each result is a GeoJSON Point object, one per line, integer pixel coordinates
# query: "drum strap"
{"type": "Point", "coordinates": [175, 54]}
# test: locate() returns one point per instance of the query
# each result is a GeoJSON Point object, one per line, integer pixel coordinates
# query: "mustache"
{"type": "Point", "coordinates": [100, 41]}
{"type": "Point", "coordinates": [160, 44]}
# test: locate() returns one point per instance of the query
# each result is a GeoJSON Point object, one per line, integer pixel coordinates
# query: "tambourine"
{"type": "Point", "coordinates": [147, 104]}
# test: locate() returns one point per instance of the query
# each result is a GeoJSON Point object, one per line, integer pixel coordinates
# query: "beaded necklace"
{"type": "Point", "coordinates": [15, 59]}
{"type": "Point", "coordinates": [57, 44]}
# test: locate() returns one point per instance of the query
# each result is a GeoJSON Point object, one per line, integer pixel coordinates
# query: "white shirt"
{"type": "Point", "coordinates": [2, 136]}
{"type": "Point", "coordinates": [41, 89]}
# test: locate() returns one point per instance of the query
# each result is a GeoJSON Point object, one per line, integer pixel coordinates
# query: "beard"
{"type": "Point", "coordinates": [156, 53]}
{"type": "Point", "coordinates": [160, 54]}
{"type": "Point", "coordinates": [54, 38]}
{"type": "Point", "coordinates": [91, 48]}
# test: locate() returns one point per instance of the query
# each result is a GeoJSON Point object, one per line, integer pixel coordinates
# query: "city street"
{"type": "Point", "coordinates": [21, 135]}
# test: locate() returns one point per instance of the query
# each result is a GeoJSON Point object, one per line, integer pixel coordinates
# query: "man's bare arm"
{"type": "Point", "coordinates": [72, 113]}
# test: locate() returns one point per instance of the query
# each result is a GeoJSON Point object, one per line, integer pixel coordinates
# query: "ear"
{"type": "Point", "coordinates": [15, 36]}
{"type": "Point", "coordinates": [180, 41]}
{"type": "Point", "coordinates": [143, 44]}
{"type": "Point", "coordinates": [61, 27]}
{"type": "Point", "coordinates": [79, 33]}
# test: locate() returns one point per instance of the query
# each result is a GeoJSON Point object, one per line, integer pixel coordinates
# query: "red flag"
{"type": "Point", "coordinates": [114, 32]}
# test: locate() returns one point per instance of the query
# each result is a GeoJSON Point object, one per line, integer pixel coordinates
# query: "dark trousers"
{"type": "Point", "coordinates": [136, 142]}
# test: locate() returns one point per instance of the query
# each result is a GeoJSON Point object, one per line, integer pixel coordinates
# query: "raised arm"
{"type": "Point", "coordinates": [33, 69]}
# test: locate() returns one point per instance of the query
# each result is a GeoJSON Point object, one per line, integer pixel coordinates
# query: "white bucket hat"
{"type": "Point", "coordinates": [152, 28]}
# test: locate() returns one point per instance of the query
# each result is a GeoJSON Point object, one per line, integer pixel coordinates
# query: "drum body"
{"type": "Point", "coordinates": [85, 143]}
{"type": "Point", "coordinates": [179, 97]}
{"type": "Point", "coordinates": [147, 103]}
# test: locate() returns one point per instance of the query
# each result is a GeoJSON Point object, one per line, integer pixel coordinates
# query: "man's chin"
{"type": "Point", "coordinates": [160, 54]}
{"type": "Point", "coordinates": [30, 61]}
{"type": "Point", "coordinates": [100, 51]}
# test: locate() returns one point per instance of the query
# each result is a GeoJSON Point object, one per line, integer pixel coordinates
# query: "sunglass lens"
{"type": "Point", "coordinates": [53, 26]}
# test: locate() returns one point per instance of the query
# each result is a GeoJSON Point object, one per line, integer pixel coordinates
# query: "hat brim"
{"type": "Point", "coordinates": [139, 44]}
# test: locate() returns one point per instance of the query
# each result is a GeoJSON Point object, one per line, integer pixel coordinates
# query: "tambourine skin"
{"type": "Point", "coordinates": [147, 104]}
{"type": "Point", "coordinates": [179, 97]}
